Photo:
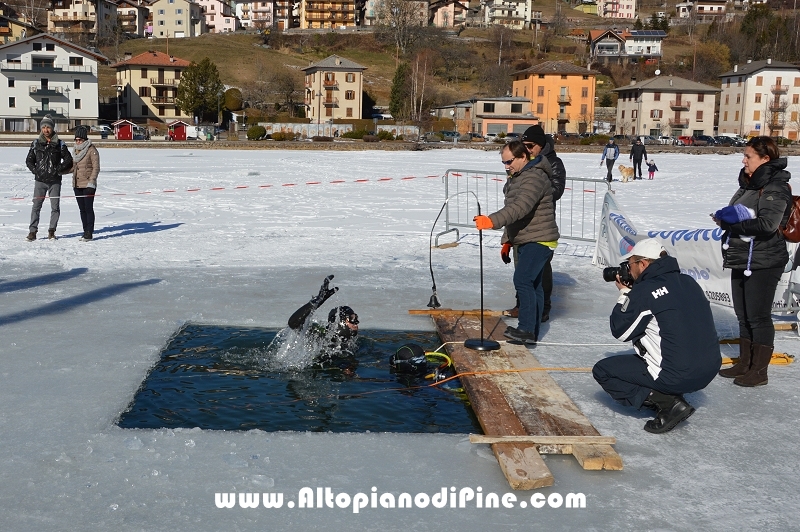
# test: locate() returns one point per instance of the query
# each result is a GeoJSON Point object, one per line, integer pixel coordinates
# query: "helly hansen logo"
{"type": "Point", "coordinates": [658, 292]}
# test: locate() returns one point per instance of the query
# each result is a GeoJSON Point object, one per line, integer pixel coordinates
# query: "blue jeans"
{"type": "Point", "coordinates": [532, 258]}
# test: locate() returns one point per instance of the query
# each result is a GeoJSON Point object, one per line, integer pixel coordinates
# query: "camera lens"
{"type": "Point", "coordinates": [610, 274]}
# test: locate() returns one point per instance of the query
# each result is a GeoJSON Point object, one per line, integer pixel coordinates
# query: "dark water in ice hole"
{"type": "Point", "coordinates": [216, 377]}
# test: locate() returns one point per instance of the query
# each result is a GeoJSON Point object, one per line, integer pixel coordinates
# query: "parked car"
{"type": "Point", "coordinates": [490, 137]}
{"type": "Point", "coordinates": [686, 140]}
{"type": "Point", "coordinates": [449, 135]}
{"type": "Point", "coordinates": [708, 139]}
{"type": "Point", "coordinates": [649, 139]}
{"type": "Point", "coordinates": [101, 129]}
{"type": "Point", "coordinates": [513, 136]}
{"type": "Point", "coordinates": [471, 137]}
{"type": "Point", "coordinates": [621, 139]}
{"type": "Point", "coordinates": [666, 139]}
{"type": "Point", "coordinates": [726, 141]}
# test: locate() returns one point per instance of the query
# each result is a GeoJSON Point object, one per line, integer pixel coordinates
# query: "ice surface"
{"type": "Point", "coordinates": [81, 323]}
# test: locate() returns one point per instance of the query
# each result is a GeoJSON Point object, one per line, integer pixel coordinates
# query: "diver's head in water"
{"type": "Point", "coordinates": [345, 321]}
{"type": "Point", "coordinates": [409, 360]}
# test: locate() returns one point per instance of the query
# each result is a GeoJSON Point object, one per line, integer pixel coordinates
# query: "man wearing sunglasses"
{"type": "Point", "coordinates": [668, 318]}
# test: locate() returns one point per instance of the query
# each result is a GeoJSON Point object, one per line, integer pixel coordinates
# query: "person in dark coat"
{"type": "Point", "coordinates": [48, 158]}
{"type": "Point", "coordinates": [638, 154]}
{"type": "Point", "coordinates": [610, 156]}
{"type": "Point", "coordinates": [668, 318]}
{"type": "Point", "coordinates": [755, 251]}
{"type": "Point", "coordinates": [529, 222]}
{"type": "Point", "coordinates": [537, 142]}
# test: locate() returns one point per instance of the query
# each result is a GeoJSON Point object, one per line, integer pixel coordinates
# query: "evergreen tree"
{"type": "Point", "coordinates": [200, 89]}
{"type": "Point", "coordinates": [400, 93]}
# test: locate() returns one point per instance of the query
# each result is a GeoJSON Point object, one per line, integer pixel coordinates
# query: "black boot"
{"type": "Point", "coordinates": [757, 376]}
{"type": "Point", "coordinates": [31, 236]}
{"type": "Point", "coordinates": [743, 365]}
{"type": "Point", "coordinates": [672, 409]}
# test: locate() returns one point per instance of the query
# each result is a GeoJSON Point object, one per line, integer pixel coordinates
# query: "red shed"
{"type": "Point", "coordinates": [123, 129]}
{"type": "Point", "coordinates": [177, 130]}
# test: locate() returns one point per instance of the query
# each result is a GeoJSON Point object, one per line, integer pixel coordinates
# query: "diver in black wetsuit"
{"type": "Point", "coordinates": [341, 328]}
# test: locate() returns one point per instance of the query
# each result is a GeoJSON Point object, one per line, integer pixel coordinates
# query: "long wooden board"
{"type": "Point", "coordinates": [509, 402]}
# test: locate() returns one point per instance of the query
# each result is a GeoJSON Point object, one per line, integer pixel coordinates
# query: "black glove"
{"type": "Point", "coordinates": [324, 293]}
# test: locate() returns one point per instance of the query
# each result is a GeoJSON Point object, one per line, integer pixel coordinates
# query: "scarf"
{"type": "Point", "coordinates": [81, 151]}
{"type": "Point", "coordinates": [53, 139]}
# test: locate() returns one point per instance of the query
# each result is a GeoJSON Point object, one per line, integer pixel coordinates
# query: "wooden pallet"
{"type": "Point", "coordinates": [520, 404]}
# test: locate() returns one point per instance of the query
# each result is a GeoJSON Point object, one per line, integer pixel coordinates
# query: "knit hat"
{"type": "Point", "coordinates": [733, 214]}
{"type": "Point", "coordinates": [82, 132]}
{"type": "Point", "coordinates": [535, 134]}
{"type": "Point", "coordinates": [649, 248]}
{"type": "Point", "coordinates": [47, 121]}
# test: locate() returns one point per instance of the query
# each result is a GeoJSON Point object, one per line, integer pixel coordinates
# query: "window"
{"type": "Point", "coordinates": [161, 23]}
{"type": "Point", "coordinates": [623, 115]}
{"type": "Point", "coordinates": [634, 113]}
{"type": "Point", "coordinates": [758, 98]}
{"type": "Point", "coordinates": [37, 47]}
{"type": "Point", "coordinates": [144, 73]}
{"type": "Point", "coordinates": [656, 113]}
{"type": "Point", "coordinates": [540, 91]}
{"type": "Point", "coordinates": [699, 116]}
{"type": "Point", "coordinates": [177, 74]}
{"type": "Point", "coordinates": [727, 96]}
{"type": "Point", "coordinates": [797, 82]}
{"type": "Point", "coordinates": [584, 109]}
{"type": "Point", "coordinates": [656, 96]}
{"type": "Point", "coordinates": [701, 98]}
{"type": "Point", "coordinates": [13, 58]}
{"type": "Point", "coordinates": [350, 77]}
{"type": "Point", "coordinates": [584, 92]}
{"type": "Point", "coordinates": [179, 22]}
{"type": "Point", "coordinates": [10, 82]}
{"type": "Point", "coordinates": [759, 81]}
{"type": "Point", "coordinates": [161, 111]}
{"type": "Point", "coordinates": [160, 11]}
{"type": "Point", "coordinates": [563, 76]}
{"type": "Point", "coordinates": [737, 117]}
{"type": "Point", "coordinates": [488, 108]}
{"type": "Point", "coordinates": [725, 116]}
{"type": "Point", "coordinates": [76, 61]}
{"type": "Point", "coordinates": [77, 103]}
{"type": "Point", "coordinates": [756, 115]}
{"type": "Point", "coordinates": [76, 84]}
{"type": "Point", "coordinates": [516, 108]}
{"type": "Point", "coordinates": [541, 76]}
{"type": "Point", "coordinates": [794, 116]}
{"type": "Point", "coordinates": [349, 95]}
{"type": "Point", "coordinates": [738, 98]}
{"type": "Point", "coordinates": [585, 76]}
{"type": "Point", "coordinates": [12, 102]}
{"type": "Point", "coordinates": [145, 110]}
{"type": "Point", "coordinates": [795, 98]}
{"type": "Point", "coordinates": [50, 47]}
{"type": "Point", "coordinates": [349, 112]}
{"type": "Point", "coordinates": [540, 108]}
{"type": "Point", "coordinates": [728, 82]}
{"type": "Point", "coordinates": [739, 82]}
{"type": "Point", "coordinates": [144, 92]}
{"type": "Point", "coordinates": [179, 11]}
{"type": "Point", "coordinates": [329, 111]}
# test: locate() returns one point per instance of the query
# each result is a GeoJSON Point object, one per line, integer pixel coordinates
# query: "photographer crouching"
{"type": "Point", "coordinates": [668, 318]}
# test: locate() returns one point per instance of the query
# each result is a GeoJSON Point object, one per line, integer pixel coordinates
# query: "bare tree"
{"type": "Point", "coordinates": [402, 21]}
{"type": "Point", "coordinates": [501, 36]}
{"type": "Point", "coordinates": [288, 85]}
{"type": "Point", "coordinates": [33, 12]}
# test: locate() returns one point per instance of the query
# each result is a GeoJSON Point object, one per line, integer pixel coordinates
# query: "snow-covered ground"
{"type": "Point", "coordinates": [81, 324]}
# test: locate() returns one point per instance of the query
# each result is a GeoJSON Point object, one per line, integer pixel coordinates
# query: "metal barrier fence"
{"type": "Point", "coordinates": [577, 212]}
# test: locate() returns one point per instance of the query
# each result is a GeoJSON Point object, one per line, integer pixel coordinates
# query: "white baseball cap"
{"type": "Point", "coordinates": [649, 248]}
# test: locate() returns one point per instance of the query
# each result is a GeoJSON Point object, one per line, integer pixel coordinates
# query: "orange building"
{"type": "Point", "coordinates": [561, 94]}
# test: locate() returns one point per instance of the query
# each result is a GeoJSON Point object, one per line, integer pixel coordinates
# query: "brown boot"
{"type": "Point", "coordinates": [51, 234]}
{"type": "Point", "coordinates": [31, 236]}
{"type": "Point", "coordinates": [512, 312]}
{"type": "Point", "coordinates": [743, 366]}
{"type": "Point", "coordinates": [757, 376]}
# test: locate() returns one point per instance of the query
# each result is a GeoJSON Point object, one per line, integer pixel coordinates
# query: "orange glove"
{"type": "Point", "coordinates": [505, 252]}
{"type": "Point", "coordinates": [483, 222]}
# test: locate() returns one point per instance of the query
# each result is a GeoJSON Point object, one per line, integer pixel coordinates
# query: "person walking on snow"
{"type": "Point", "coordinates": [47, 159]}
{"type": "Point", "coordinates": [651, 169]}
{"type": "Point", "coordinates": [610, 155]}
{"type": "Point", "coordinates": [638, 154]}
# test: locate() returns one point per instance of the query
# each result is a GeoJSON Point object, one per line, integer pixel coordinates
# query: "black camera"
{"type": "Point", "coordinates": [624, 272]}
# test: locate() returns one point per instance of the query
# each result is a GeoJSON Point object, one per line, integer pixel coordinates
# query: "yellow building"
{"type": "Point", "coordinates": [561, 94]}
{"type": "Point", "coordinates": [12, 29]}
{"type": "Point", "coordinates": [333, 89]}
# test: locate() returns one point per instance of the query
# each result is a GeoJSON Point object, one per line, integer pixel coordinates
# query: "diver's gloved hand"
{"type": "Point", "coordinates": [325, 292]}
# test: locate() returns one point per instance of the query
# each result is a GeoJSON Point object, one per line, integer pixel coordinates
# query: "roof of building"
{"type": "Point", "coordinates": [153, 58]}
{"type": "Point", "coordinates": [334, 62]}
{"type": "Point", "coordinates": [626, 34]}
{"type": "Point", "coordinates": [100, 57]}
{"type": "Point", "coordinates": [668, 84]}
{"type": "Point", "coordinates": [752, 67]}
{"type": "Point", "coordinates": [556, 67]}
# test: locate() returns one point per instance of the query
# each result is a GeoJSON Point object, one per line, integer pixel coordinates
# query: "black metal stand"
{"type": "Point", "coordinates": [481, 344]}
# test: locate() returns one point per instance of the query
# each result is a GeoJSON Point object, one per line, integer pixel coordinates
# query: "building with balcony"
{"type": "Point", "coordinates": [334, 89]}
{"type": "Point", "coordinates": [82, 21]}
{"type": "Point", "coordinates": [629, 46]}
{"type": "Point", "coordinates": [702, 10]}
{"type": "Point", "coordinates": [514, 14]}
{"type": "Point", "coordinates": [147, 85]}
{"type": "Point", "coordinates": [761, 98]}
{"type": "Point", "coordinates": [448, 13]}
{"type": "Point", "coordinates": [561, 95]}
{"type": "Point", "coordinates": [505, 114]}
{"type": "Point", "coordinates": [327, 14]}
{"type": "Point", "coordinates": [42, 75]}
{"type": "Point", "coordinates": [219, 16]}
{"type": "Point", "coordinates": [13, 29]}
{"type": "Point", "coordinates": [286, 13]}
{"type": "Point", "coordinates": [177, 18]}
{"type": "Point", "coordinates": [132, 16]}
{"type": "Point", "coordinates": [617, 9]}
{"type": "Point", "coordinates": [666, 105]}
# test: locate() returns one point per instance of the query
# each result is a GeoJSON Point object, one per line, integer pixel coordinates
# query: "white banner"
{"type": "Point", "coordinates": [698, 251]}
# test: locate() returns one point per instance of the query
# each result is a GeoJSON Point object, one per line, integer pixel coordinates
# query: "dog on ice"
{"type": "Point", "coordinates": [627, 172]}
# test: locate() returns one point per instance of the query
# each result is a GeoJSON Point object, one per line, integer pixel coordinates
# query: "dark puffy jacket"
{"type": "Point", "coordinates": [669, 320]}
{"type": "Point", "coordinates": [638, 152]}
{"type": "Point", "coordinates": [559, 177]}
{"type": "Point", "coordinates": [48, 160]}
{"type": "Point", "coordinates": [767, 193]}
{"type": "Point", "coordinates": [529, 212]}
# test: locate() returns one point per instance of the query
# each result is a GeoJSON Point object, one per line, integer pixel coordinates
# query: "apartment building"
{"type": "Point", "coordinates": [89, 21]}
{"type": "Point", "coordinates": [333, 89]}
{"type": "Point", "coordinates": [505, 114]}
{"type": "Point", "coordinates": [13, 29]}
{"type": "Point", "coordinates": [761, 98]}
{"type": "Point", "coordinates": [561, 94]}
{"type": "Point", "coordinates": [666, 105]}
{"type": "Point", "coordinates": [45, 75]}
{"type": "Point", "coordinates": [327, 14]}
{"type": "Point", "coordinates": [514, 14]}
{"type": "Point", "coordinates": [148, 85]}
{"type": "Point", "coordinates": [624, 9]}
{"type": "Point", "coordinates": [132, 16]}
{"type": "Point", "coordinates": [177, 18]}
{"type": "Point", "coordinates": [703, 10]}
{"type": "Point", "coordinates": [625, 47]}
{"type": "Point", "coordinates": [448, 13]}
{"type": "Point", "coordinates": [286, 14]}
{"type": "Point", "coordinates": [219, 16]}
